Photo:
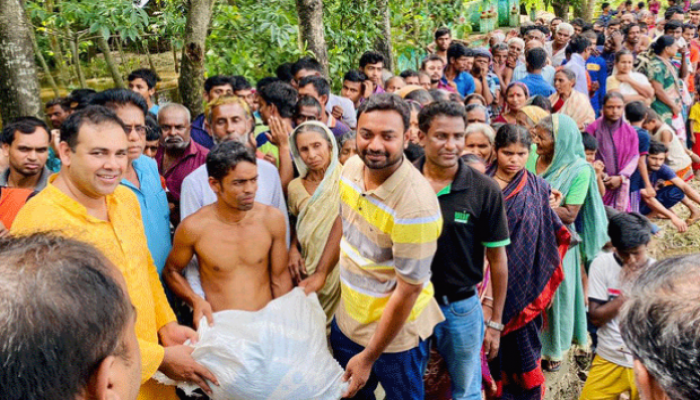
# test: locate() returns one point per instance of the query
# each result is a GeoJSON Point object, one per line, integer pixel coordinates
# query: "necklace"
{"type": "Point", "coordinates": [501, 179]}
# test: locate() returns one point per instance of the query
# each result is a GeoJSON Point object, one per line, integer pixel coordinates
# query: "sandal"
{"type": "Point", "coordinates": [551, 366]}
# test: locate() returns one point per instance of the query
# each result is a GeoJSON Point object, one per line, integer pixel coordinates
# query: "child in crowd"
{"type": "Point", "coordinates": [678, 159]}
{"type": "Point", "coordinates": [636, 113]}
{"type": "Point", "coordinates": [590, 145]}
{"type": "Point", "coordinates": [612, 371]}
{"type": "Point", "coordinates": [670, 189]}
{"type": "Point", "coordinates": [143, 81]}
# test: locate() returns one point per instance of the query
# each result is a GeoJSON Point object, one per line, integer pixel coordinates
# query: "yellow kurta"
{"type": "Point", "coordinates": [123, 241]}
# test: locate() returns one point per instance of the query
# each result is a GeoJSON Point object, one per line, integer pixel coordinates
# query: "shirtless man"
{"type": "Point", "coordinates": [240, 244]}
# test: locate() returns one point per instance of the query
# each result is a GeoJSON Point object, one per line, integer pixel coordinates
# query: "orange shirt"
{"type": "Point", "coordinates": [11, 201]}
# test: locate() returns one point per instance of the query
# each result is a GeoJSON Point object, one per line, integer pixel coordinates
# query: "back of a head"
{"type": "Point", "coordinates": [590, 143]}
{"type": "Point", "coordinates": [635, 111]}
{"type": "Point", "coordinates": [217, 80]}
{"type": "Point", "coordinates": [282, 95]}
{"type": "Point", "coordinates": [80, 98]}
{"type": "Point", "coordinates": [579, 44]}
{"type": "Point", "coordinates": [52, 344]}
{"type": "Point", "coordinates": [153, 131]}
{"type": "Point", "coordinates": [355, 76]}
{"type": "Point", "coordinates": [536, 58]}
{"type": "Point", "coordinates": [306, 64]}
{"type": "Point", "coordinates": [660, 324]}
{"type": "Point", "coordinates": [420, 96]}
{"type": "Point", "coordinates": [541, 102]}
{"type": "Point", "coordinates": [439, 95]}
{"type": "Point", "coordinates": [629, 230]}
{"type": "Point", "coordinates": [240, 83]}
{"type": "Point", "coordinates": [284, 72]}
{"type": "Point", "coordinates": [409, 73]}
{"type": "Point", "coordinates": [115, 98]}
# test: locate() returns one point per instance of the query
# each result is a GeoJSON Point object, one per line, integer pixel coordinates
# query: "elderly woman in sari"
{"type": "Point", "coordinates": [569, 101]}
{"type": "Point", "coordinates": [539, 241]}
{"type": "Point", "coordinates": [618, 148]}
{"type": "Point", "coordinates": [478, 139]}
{"type": "Point", "coordinates": [561, 161]}
{"type": "Point", "coordinates": [313, 199]}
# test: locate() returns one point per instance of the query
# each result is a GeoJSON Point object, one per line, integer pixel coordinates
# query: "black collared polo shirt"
{"type": "Point", "coordinates": [474, 218]}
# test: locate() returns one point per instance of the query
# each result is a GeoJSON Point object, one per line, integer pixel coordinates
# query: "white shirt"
{"type": "Point", "coordinates": [349, 112]}
{"type": "Point", "coordinates": [604, 286]}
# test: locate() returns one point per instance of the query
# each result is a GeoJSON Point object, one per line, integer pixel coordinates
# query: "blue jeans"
{"type": "Point", "coordinates": [668, 196]}
{"type": "Point", "coordinates": [459, 340]}
{"type": "Point", "coordinates": [401, 374]}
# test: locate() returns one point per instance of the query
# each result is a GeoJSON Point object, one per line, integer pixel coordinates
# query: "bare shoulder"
{"type": "Point", "coordinates": [270, 216]}
{"type": "Point", "coordinates": [198, 221]}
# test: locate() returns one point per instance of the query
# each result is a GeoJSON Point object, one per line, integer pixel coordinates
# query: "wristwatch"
{"type": "Point", "coordinates": [495, 325]}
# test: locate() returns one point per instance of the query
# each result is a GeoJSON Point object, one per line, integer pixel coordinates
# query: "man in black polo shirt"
{"type": "Point", "coordinates": [474, 221]}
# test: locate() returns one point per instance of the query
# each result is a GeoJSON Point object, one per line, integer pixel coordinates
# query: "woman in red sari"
{"type": "Point", "coordinates": [539, 242]}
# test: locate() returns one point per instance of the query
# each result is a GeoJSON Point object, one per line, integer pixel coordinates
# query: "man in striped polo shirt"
{"type": "Point", "coordinates": [385, 239]}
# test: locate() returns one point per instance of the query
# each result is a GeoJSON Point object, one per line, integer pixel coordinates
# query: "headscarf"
{"type": "Point", "coordinates": [568, 162]}
{"type": "Point", "coordinates": [301, 166]}
{"type": "Point", "coordinates": [534, 113]}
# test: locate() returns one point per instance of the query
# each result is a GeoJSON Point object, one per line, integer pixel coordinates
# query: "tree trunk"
{"type": "Point", "coordinates": [383, 42]}
{"type": "Point", "coordinates": [19, 86]}
{"type": "Point", "coordinates": [122, 56]}
{"type": "Point", "coordinates": [113, 68]}
{"type": "Point", "coordinates": [191, 79]}
{"type": "Point", "coordinates": [151, 64]}
{"type": "Point", "coordinates": [42, 61]}
{"type": "Point", "coordinates": [561, 9]}
{"type": "Point", "coordinates": [73, 42]}
{"type": "Point", "coordinates": [63, 73]}
{"type": "Point", "coordinates": [590, 10]}
{"type": "Point", "coordinates": [177, 67]}
{"type": "Point", "coordinates": [310, 13]}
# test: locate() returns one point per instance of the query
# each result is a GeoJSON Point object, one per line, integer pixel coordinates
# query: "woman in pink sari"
{"type": "Point", "coordinates": [618, 148]}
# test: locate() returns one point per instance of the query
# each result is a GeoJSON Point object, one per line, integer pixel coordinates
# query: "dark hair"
{"type": "Point", "coordinates": [152, 128]}
{"type": "Point", "coordinates": [387, 102]}
{"type": "Point", "coordinates": [695, 7]}
{"type": "Point", "coordinates": [115, 98]}
{"type": "Point", "coordinates": [629, 230]}
{"type": "Point", "coordinates": [440, 108]}
{"type": "Point", "coordinates": [439, 95]}
{"type": "Point", "coordinates": [435, 57]}
{"type": "Point", "coordinates": [612, 95]}
{"type": "Point", "coordinates": [266, 81]}
{"type": "Point", "coordinates": [635, 111]}
{"type": "Point", "coordinates": [80, 98]}
{"type": "Point", "coordinates": [320, 84]}
{"type": "Point", "coordinates": [671, 11]}
{"type": "Point", "coordinates": [284, 72]}
{"type": "Point", "coordinates": [25, 125]}
{"type": "Point", "coordinates": [281, 95]}
{"type": "Point", "coordinates": [579, 44]}
{"type": "Point", "coordinates": [408, 73]}
{"type": "Point", "coordinates": [661, 43]}
{"type": "Point", "coordinates": [413, 151]}
{"type": "Point", "coordinates": [590, 143]}
{"type": "Point", "coordinates": [657, 148]}
{"type": "Point", "coordinates": [541, 102]}
{"type": "Point", "coordinates": [555, 19]}
{"type": "Point", "coordinates": [689, 26]}
{"type": "Point", "coordinates": [225, 156]}
{"type": "Point", "coordinates": [659, 324]}
{"type": "Point", "coordinates": [59, 101]}
{"type": "Point", "coordinates": [453, 96]}
{"type": "Point", "coordinates": [512, 134]}
{"type": "Point", "coordinates": [629, 27]}
{"type": "Point", "coordinates": [440, 32]}
{"type": "Point", "coordinates": [94, 115]}
{"type": "Point", "coordinates": [371, 57]}
{"type": "Point", "coordinates": [536, 58]}
{"type": "Point", "coordinates": [455, 51]}
{"type": "Point", "coordinates": [53, 343]}
{"type": "Point", "coordinates": [240, 83]}
{"type": "Point", "coordinates": [420, 96]}
{"type": "Point", "coordinates": [306, 63]}
{"type": "Point", "coordinates": [307, 101]}
{"type": "Point", "coordinates": [148, 75]}
{"type": "Point", "coordinates": [605, 5]}
{"type": "Point", "coordinates": [217, 80]}
{"type": "Point", "coordinates": [672, 26]}
{"type": "Point", "coordinates": [623, 52]}
{"type": "Point", "coordinates": [640, 5]}
{"type": "Point", "coordinates": [354, 75]}
{"type": "Point", "coordinates": [578, 22]}
{"type": "Point", "coordinates": [542, 28]}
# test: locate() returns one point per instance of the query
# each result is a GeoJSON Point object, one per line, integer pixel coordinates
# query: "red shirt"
{"type": "Point", "coordinates": [194, 156]}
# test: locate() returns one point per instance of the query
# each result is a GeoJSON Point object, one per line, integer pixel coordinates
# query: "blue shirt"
{"type": "Point", "coordinates": [644, 139]}
{"type": "Point", "coordinates": [665, 173]}
{"type": "Point", "coordinates": [537, 85]}
{"type": "Point", "coordinates": [199, 134]}
{"type": "Point", "coordinates": [155, 212]}
{"type": "Point", "coordinates": [464, 82]}
{"type": "Point", "coordinates": [154, 109]}
{"type": "Point", "coordinates": [598, 71]}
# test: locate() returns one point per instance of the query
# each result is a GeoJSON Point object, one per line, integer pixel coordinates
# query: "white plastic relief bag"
{"type": "Point", "coordinates": [279, 352]}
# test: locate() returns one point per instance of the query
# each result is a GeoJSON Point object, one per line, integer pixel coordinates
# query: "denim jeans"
{"type": "Point", "coordinates": [401, 374]}
{"type": "Point", "coordinates": [459, 340]}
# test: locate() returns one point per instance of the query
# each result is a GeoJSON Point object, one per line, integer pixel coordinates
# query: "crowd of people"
{"type": "Point", "coordinates": [463, 225]}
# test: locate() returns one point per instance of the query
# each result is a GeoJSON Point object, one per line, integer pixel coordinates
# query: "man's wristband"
{"type": "Point", "coordinates": [495, 326]}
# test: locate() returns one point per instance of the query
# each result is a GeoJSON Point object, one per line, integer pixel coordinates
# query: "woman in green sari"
{"type": "Point", "coordinates": [561, 161]}
{"type": "Point", "coordinates": [313, 199]}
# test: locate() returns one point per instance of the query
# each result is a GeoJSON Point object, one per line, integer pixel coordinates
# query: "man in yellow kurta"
{"type": "Point", "coordinates": [85, 201]}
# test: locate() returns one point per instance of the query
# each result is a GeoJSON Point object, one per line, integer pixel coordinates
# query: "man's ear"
{"type": "Point", "coordinates": [215, 185]}
{"type": "Point", "coordinates": [64, 153]}
{"type": "Point", "coordinates": [206, 96]}
{"type": "Point", "coordinates": [647, 386]}
{"type": "Point", "coordinates": [103, 381]}
{"type": "Point", "coordinates": [6, 149]}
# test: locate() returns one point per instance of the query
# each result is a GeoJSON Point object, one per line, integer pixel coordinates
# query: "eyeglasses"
{"type": "Point", "coordinates": [140, 129]}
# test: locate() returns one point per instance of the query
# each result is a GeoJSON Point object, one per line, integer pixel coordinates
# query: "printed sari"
{"type": "Point", "coordinates": [618, 148]}
{"type": "Point", "coordinates": [577, 106]}
{"type": "Point", "coordinates": [539, 242]}
{"type": "Point", "coordinates": [663, 72]}
{"type": "Point", "coordinates": [566, 320]}
{"type": "Point", "coordinates": [316, 214]}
